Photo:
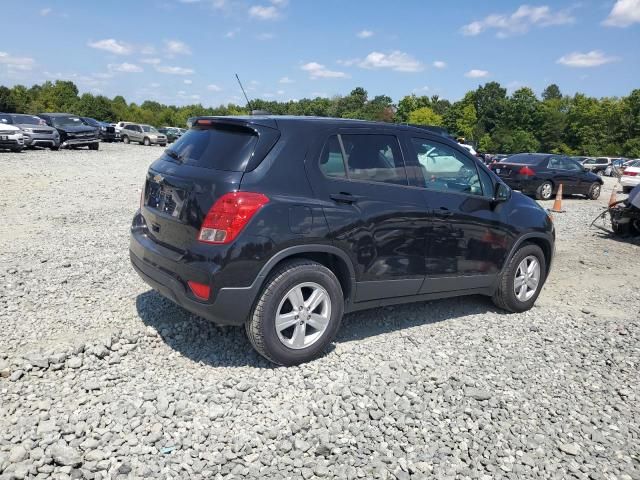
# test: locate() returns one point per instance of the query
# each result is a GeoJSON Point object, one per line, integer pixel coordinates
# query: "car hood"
{"type": "Point", "coordinates": [6, 127]}
{"type": "Point", "coordinates": [36, 127]}
{"type": "Point", "coordinates": [78, 129]}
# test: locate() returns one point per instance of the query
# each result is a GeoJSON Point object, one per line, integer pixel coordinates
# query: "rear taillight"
{"type": "Point", "coordinates": [526, 171]}
{"type": "Point", "coordinates": [627, 173]}
{"type": "Point", "coordinates": [229, 215]}
{"type": "Point", "coordinates": [200, 290]}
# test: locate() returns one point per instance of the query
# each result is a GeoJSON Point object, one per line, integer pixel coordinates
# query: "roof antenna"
{"type": "Point", "coordinates": [245, 93]}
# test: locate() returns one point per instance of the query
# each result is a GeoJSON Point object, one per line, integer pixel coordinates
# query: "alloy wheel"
{"type": "Point", "coordinates": [527, 278]}
{"type": "Point", "coordinates": [547, 190]}
{"type": "Point", "coordinates": [303, 315]}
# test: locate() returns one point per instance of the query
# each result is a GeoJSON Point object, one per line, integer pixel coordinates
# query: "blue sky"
{"type": "Point", "coordinates": [187, 51]}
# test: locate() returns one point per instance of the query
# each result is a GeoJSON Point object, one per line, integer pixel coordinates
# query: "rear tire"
{"type": "Point", "coordinates": [505, 296]}
{"type": "Point", "coordinates": [544, 191]}
{"type": "Point", "coordinates": [600, 173]}
{"type": "Point", "coordinates": [594, 191]}
{"type": "Point", "coordinates": [304, 336]}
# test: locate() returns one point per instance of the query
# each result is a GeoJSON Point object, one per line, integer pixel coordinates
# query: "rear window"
{"type": "Point", "coordinates": [523, 159]}
{"type": "Point", "coordinates": [221, 148]}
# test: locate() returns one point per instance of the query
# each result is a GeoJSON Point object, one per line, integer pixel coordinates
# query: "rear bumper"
{"type": "Point", "coordinates": [629, 181]}
{"type": "Point", "coordinates": [527, 187]}
{"type": "Point", "coordinates": [166, 274]}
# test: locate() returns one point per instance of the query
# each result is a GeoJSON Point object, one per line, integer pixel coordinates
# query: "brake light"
{"type": "Point", "coordinates": [627, 173]}
{"type": "Point", "coordinates": [229, 215]}
{"type": "Point", "coordinates": [200, 290]}
{"type": "Point", "coordinates": [526, 171]}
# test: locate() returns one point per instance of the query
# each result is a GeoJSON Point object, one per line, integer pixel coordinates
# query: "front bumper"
{"type": "Point", "coordinates": [108, 136]}
{"type": "Point", "coordinates": [41, 140]}
{"type": "Point", "coordinates": [11, 141]}
{"type": "Point", "coordinates": [168, 273]}
{"type": "Point", "coordinates": [79, 142]}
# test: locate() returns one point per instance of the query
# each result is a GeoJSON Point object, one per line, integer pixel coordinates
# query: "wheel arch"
{"type": "Point", "coordinates": [327, 255]}
{"type": "Point", "coordinates": [543, 241]}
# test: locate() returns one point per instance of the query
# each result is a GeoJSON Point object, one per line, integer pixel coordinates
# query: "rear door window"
{"type": "Point", "coordinates": [220, 147]}
{"type": "Point", "coordinates": [331, 160]}
{"type": "Point", "coordinates": [374, 158]}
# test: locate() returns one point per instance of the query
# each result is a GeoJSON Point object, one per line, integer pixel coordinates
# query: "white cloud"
{"type": "Point", "coordinates": [187, 81]}
{"type": "Point", "coordinates": [475, 73]}
{"type": "Point", "coordinates": [317, 70]}
{"type": "Point", "coordinates": [594, 58]}
{"type": "Point", "coordinates": [176, 47]}
{"type": "Point", "coordinates": [148, 50]}
{"type": "Point", "coordinates": [623, 14]}
{"type": "Point", "coordinates": [421, 89]}
{"type": "Point", "coordinates": [396, 60]}
{"type": "Point", "coordinates": [152, 61]}
{"type": "Point", "coordinates": [113, 46]}
{"type": "Point", "coordinates": [125, 67]}
{"type": "Point", "coordinates": [261, 12]}
{"type": "Point", "coordinates": [520, 21]}
{"type": "Point", "coordinates": [174, 70]}
{"type": "Point", "coordinates": [214, 88]}
{"type": "Point", "coordinates": [45, 11]}
{"type": "Point", "coordinates": [439, 64]}
{"type": "Point", "coordinates": [231, 33]}
{"type": "Point", "coordinates": [364, 34]}
{"type": "Point", "coordinates": [280, 92]}
{"type": "Point", "coordinates": [265, 36]}
{"type": "Point", "coordinates": [16, 63]}
{"type": "Point", "coordinates": [285, 80]}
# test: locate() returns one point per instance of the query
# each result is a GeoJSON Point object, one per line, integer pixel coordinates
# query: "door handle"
{"type": "Point", "coordinates": [442, 212]}
{"type": "Point", "coordinates": [344, 197]}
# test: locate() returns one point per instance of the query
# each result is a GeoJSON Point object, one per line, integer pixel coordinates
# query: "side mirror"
{"type": "Point", "coordinates": [502, 193]}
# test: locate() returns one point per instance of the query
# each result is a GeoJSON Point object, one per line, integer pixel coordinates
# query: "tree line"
{"type": "Point", "coordinates": [487, 116]}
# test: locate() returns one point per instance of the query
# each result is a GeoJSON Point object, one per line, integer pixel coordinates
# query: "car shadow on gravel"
{"type": "Point", "coordinates": [203, 342]}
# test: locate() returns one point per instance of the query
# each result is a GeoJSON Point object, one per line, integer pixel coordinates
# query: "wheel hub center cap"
{"type": "Point", "coordinates": [304, 315]}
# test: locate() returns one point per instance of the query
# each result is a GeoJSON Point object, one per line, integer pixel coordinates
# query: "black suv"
{"type": "Point", "coordinates": [283, 224]}
{"type": "Point", "coordinates": [74, 132]}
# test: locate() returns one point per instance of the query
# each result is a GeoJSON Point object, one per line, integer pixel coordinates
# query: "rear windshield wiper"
{"type": "Point", "coordinates": [174, 155]}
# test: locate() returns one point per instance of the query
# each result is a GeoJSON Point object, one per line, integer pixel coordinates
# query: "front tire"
{"type": "Point", "coordinates": [544, 191]}
{"type": "Point", "coordinates": [146, 142]}
{"type": "Point", "coordinates": [94, 146]}
{"type": "Point", "coordinates": [521, 281]}
{"type": "Point", "coordinates": [297, 314]}
{"type": "Point", "coordinates": [594, 191]}
{"type": "Point", "coordinates": [17, 149]}
{"type": "Point", "coordinates": [626, 189]}
{"type": "Point", "coordinates": [125, 139]}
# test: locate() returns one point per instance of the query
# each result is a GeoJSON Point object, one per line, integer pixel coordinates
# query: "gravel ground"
{"type": "Point", "coordinates": [102, 378]}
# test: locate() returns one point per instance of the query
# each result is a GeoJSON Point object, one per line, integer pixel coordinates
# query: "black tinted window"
{"type": "Point", "coordinates": [375, 158]}
{"type": "Point", "coordinates": [221, 148]}
{"type": "Point", "coordinates": [331, 161]}
{"type": "Point", "coordinates": [524, 159]}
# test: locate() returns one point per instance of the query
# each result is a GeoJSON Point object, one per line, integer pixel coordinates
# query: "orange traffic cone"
{"type": "Point", "coordinates": [613, 198]}
{"type": "Point", "coordinates": [557, 205]}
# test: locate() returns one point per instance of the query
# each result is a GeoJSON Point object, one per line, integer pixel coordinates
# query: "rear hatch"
{"type": "Point", "coordinates": [201, 166]}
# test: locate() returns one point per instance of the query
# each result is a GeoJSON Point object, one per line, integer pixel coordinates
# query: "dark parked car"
{"type": "Point", "coordinates": [283, 224]}
{"type": "Point", "coordinates": [171, 133]}
{"type": "Point", "coordinates": [74, 133]}
{"type": "Point", "coordinates": [541, 174]}
{"type": "Point", "coordinates": [35, 131]}
{"type": "Point", "coordinates": [106, 131]}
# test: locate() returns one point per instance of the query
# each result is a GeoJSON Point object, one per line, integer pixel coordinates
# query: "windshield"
{"type": "Point", "coordinates": [91, 122]}
{"type": "Point", "coordinates": [62, 122]}
{"type": "Point", "coordinates": [27, 120]}
{"type": "Point", "coordinates": [147, 128]}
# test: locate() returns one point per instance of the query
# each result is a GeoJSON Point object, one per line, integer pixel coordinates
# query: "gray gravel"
{"type": "Point", "coordinates": [102, 378]}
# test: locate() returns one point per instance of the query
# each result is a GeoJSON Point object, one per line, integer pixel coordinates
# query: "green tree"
{"type": "Point", "coordinates": [552, 92]}
{"type": "Point", "coordinates": [425, 116]}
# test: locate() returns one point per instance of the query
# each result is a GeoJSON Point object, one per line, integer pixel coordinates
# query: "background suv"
{"type": "Point", "coordinates": [11, 138]}
{"type": "Point", "coordinates": [106, 132]}
{"type": "Point", "coordinates": [143, 134]}
{"type": "Point", "coordinates": [74, 133]}
{"type": "Point", "coordinates": [597, 165]}
{"type": "Point", "coordinates": [282, 224]}
{"type": "Point", "coordinates": [35, 131]}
